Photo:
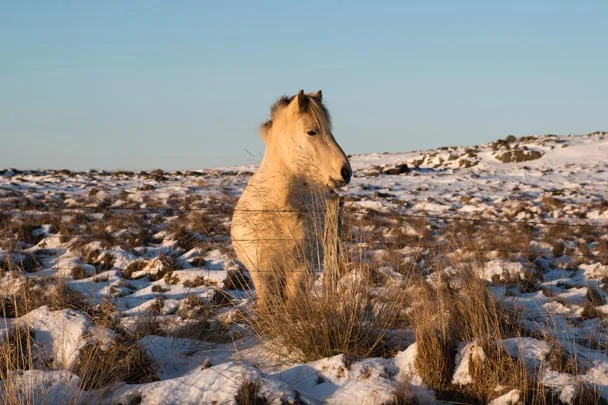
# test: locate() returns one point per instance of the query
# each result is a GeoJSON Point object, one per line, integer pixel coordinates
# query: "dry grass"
{"type": "Point", "coordinates": [148, 325]}
{"type": "Point", "coordinates": [590, 311]}
{"type": "Point", "coordinates": [105, 314]}
{"type": "Point", "coordinates": [196, 282]}
{"type": "Point", "coordinates": [462, 309]}
{"type": "Point", "coordinates": [594, 296]}
{"type": "Point", "coordinates": [21, 230]}
{"type": "Point", "coordinates": [403, 395]}
{"type": "Point", "coordinates": [19, 261]}
{"type": "Point", "coordinates": [320, 328]}
{"type": "Point", "coordinates": [236, 280]}
{"type": "Point", "coordinates": [124, 360]}
{"type": "Point", "coordinates": [586, 395]}
{"type": "Point", "coordinates": [193, 307]}
{"type": "Point", "coordinates": [190, 229]}
{"type": "Point", "coordinates": [16, 350]}
{"type": "Point", "coordinates": [551, 203]}
{"type": "Point", "coordinates": [560, 360]}
{"type": "Point", "coordinates": [97, 366]}
{"type": "Point", "coordinates": [349, 313]}
{"type": "Point", "coordinates": [168, 264]}
{"type": "Point", "coordinates": [134, 266]}
{"type": "Point", "coordinates": [194, 321]}
{"type": "Point", "coordinates": [199, 329]}
{"type": "Point", "coordinates": [249, 394]}
{"type": "Point", "coordinates": [341, 317]}
{"type": "Point", "coordinates": [35, 293]}
{"type": "Point", "coordinates": [436, 340]}
{"type": "Point", "coordinates": [78, 273]}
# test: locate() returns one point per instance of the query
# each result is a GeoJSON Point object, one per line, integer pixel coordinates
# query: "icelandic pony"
{"type": "Point", "coordinates": [278, 222]}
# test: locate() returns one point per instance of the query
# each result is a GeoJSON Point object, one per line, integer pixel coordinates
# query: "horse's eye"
{"type": "Point", "coordinates": [311, 132]}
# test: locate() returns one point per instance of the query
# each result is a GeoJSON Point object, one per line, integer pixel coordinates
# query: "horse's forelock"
{"type": "Point", "coordinates": [310, 104]}
{"type": "Point", "coordinates": [319, 113]}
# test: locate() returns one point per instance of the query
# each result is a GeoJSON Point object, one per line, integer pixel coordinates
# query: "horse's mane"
{"type": "Point", "coordinates": [311, 104]}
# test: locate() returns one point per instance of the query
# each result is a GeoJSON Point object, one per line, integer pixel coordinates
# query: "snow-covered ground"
{"type": "Point", "coordinates": [154, 248]}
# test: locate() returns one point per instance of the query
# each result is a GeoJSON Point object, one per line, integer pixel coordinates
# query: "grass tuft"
{"type": "Point", "coordinates": [249, 394]}
{"type": "Point", "coordinates": [124, 360]}
{"type": "Point", "coordinates": [316, 325]}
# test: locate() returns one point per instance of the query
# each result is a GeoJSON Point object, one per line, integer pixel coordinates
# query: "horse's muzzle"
{"type": "Point", "coordinates": [346, 172]}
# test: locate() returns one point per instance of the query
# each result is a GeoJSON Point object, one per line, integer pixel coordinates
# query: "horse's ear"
{"type": "Point", "coordinates": [300, 101]}
{"type": "Point", "coordinates": [318, 95]}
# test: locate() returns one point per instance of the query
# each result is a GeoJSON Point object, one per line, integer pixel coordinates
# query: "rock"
{"type": "Point", "coordinates": [518, 155]}
{"type": "Point", "coordinates": [398, 169]}
{"type": "Point", "coordinates": [465, 163]}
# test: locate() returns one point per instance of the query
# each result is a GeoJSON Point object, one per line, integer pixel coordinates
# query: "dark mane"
{"type": "Point", "coordinates": [311, 105]}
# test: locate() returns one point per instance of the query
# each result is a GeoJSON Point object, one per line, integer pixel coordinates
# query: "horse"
{"type": "Point", "coordinates": [278, 222]}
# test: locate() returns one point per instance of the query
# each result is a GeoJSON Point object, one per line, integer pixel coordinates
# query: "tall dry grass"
{"type": "Point", "coordinates": [337, 312]}
{"type": "Point", "coordinates": [328, 322]}
{"type": "Point", "coordinates": [461, 309]}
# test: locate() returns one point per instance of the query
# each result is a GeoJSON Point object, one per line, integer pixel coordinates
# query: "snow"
{"type": "Point", "coordinates": [468, 353]}
{"type": "Point", "coordinates": [512, 397]}
{"type": "Point", "coordinates": [219, 383]}
{"type": "Point", "coordinates": [42, 387]}
{"type": "Point", "coordinates": [59, 335]}
{"type": "Point", "coordinates": [595, 270]}
{"type": "Point", "coordinates": [561, 275]}
{"type": "Point", "coordinates": [531, 350]}
{"type": "Point", "coordinates": [331, 381]}
{"type": "Point", "coordinates": [502, 269]}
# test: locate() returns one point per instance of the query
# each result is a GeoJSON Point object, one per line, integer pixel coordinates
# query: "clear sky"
{"type": "Point", "coordinates": [184, 84]}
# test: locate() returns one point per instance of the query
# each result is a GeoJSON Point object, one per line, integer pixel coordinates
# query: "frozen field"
{"type": "Point", "coordinates": [98, 267]}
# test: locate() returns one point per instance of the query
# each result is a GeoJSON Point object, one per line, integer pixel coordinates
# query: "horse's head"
{"type": "Point", "coordinates": [299, 137]}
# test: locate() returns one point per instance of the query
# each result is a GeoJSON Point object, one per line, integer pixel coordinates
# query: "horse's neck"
{"type": "Point", "coordinates": [282, 190]}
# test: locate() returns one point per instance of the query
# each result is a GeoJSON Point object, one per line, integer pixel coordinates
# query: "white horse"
{"type": "Point", "coordinates": [278, 223]}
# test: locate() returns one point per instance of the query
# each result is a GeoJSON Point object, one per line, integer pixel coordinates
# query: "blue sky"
{"type": "Point", "coordinates": [177, 85]}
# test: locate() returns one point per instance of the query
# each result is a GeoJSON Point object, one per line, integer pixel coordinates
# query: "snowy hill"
{"type": "Point", "coordinates": [102, 266]}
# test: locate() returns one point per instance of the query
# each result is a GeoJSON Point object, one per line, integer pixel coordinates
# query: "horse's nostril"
{"type": "Point", "coordinates": [346, 173]}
